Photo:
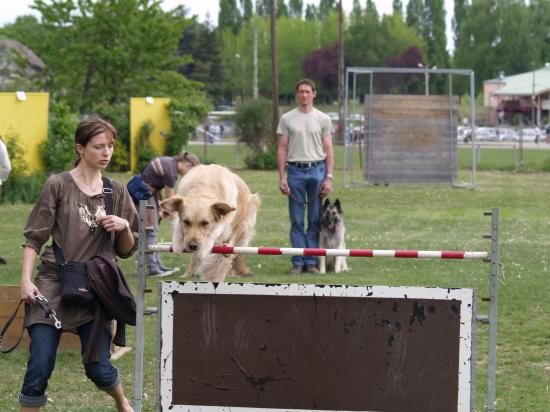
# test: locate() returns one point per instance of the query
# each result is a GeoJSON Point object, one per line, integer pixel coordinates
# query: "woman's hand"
{"type": "Point", "coordinates": [28, 289]}
{"type": "Point", "coordinates": [112, 223]}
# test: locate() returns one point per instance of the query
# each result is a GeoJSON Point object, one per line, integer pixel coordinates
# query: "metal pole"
{"type": "Point", "coordinates": [346, 92]}
{"type": "Point", "coordinates": [533, 101]}
{"type": "Point", "coordinates": [493, 311]}
{"type": "Point", "coordinates": [369, 147]}
{"type": "Point", "coordinates": [473, 126]}
{"type": "Point", "coordinates": [352, 140]}
{"type": "Point", "coordinates": [452, 141]}
{"type": "Point", "coordinates": [140, 305]}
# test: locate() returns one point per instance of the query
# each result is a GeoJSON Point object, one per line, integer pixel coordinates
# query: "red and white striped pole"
{"type": "Point", "coordinates": [410, 254]}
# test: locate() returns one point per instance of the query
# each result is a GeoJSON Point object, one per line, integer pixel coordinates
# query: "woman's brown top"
{"type": "Point", "coordinates": [68, 215]}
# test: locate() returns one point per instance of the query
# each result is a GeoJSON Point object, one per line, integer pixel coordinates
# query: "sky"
{"type": "Point", "coordinates": [10, 9]}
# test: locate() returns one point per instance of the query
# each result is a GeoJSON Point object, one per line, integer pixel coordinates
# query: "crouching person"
{"type": "Point", "coordinates": [84, 221]}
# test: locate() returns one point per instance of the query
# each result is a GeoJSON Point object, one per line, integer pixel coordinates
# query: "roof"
{"type": "Point", "coordinates": [526, 84]}
{"type": "Point", "coordinates": [12, 50]}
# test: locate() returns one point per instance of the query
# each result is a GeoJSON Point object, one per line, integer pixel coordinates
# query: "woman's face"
{"type": "Point", "coordinates": [97, 153]}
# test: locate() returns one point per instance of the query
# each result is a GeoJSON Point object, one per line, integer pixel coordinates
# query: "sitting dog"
{"type": "Point", "coordinates": [332, 235]}
{"type": "Point", "coordinates": [212, 207]}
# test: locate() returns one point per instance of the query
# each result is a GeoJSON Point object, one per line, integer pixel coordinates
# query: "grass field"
{"type": "Point", "coordinates": [488, 158]}
{"type": "Point", "coordinates": [427, 217]}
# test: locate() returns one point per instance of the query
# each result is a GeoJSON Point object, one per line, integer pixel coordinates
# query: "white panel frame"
{"type": "Point", "coordinates": [166, 314]}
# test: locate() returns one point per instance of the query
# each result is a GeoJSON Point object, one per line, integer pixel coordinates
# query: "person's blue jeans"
{"type": "Point", "coordinates": [43, 351]}
{"type": "Point", "coordinates": [304, 184]}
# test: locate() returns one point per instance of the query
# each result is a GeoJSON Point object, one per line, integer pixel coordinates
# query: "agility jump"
{"type": "Point", "coordinates": [491, 257]}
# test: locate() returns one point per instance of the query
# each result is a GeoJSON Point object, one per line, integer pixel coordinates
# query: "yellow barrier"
{"type": "Point", "coordinates": [155, 110]}
{"type": "Point", "coordinates": [29, 120]}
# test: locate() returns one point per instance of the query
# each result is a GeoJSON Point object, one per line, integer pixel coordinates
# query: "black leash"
{"type": "Point", "coordinates": [5, 328]}
{"type": "Point", "coordinates": [48, 312]}
{"type": "Point", "coordinates": [313, 199]}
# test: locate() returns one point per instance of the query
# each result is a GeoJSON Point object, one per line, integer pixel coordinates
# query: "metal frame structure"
{"type": "Point", "coordinates": [351, 77]}
{"type": "Point", "coordinates": [490, 319]}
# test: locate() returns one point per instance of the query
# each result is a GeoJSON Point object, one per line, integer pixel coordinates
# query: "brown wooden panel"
{"type": "Point", "coordinates": [9, 299]}
{"type": "Point", "coordinates": [411, 139]}
{"type": "Point", "coordinates": [315, 352]}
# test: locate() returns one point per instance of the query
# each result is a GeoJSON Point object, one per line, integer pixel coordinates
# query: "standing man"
{"type": "Point", "coordinates": [305, 151]}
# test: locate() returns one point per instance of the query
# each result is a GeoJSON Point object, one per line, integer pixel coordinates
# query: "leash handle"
{"type": "Point", "coordinates": [48, 312]}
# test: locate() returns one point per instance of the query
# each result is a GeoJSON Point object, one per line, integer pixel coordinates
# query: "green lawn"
{"type": "Point", "coordinates": [426, 217]}
{"type": "Point", "coordinates": [534, 160]}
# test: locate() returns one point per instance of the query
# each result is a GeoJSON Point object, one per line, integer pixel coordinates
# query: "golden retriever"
{"type": "Point", "coordinates": [212, 207]}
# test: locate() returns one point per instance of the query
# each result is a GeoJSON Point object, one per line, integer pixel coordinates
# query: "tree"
{"type": "Point", "coordinates": [370, 10]}
{"type": "Point", "coordinates": [322, 66]}
{"type": "Point", "coordinates": [27, 30]}
{"type": "Point", "coordinates": [207, 64]}
{"type": "Point", "coordinates": [326, 7]}
{"type": "Point", "coordinates": [295, 8]}
{"type": "Point", "coordinates": [397, 7]}
{"type": "Point", "coordinates": [100, 52]}
{"type": "Point", "coordinates": [311, 12]}
{"type": "Point", "coordinates": [229, 16]}
{"type": "Point", "coordinates": [496, 36]}
{"type": "Point", "coordinates": [434, 34]}
{"type": "Point", "coordinates": [539, 11]}
{"type": "Point", "coordinates": [356, 11]}
{"type": "Point", "coordinates": [282, 10]}
{"type": "Point", "coordinates": [248, 9]}
{"type": "Point", "coordinates": [415, 15]}
{"type": "Point", "coordinates": [458, 17]}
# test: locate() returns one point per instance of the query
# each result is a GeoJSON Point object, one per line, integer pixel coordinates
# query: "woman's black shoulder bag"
{"type": "Point", "coordinates": [75, 287]}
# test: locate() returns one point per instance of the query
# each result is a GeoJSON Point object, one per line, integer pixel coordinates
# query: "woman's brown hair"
{"type": "Point", "coordinates": [90, 128]}
{"type": "Point", "coordinates": [188, 157]}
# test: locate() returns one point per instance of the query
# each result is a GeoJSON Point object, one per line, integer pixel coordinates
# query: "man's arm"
{"type": "Point", "coordinates": [282, 152]}
{"type": "Point", "coordinates": [326, 185]}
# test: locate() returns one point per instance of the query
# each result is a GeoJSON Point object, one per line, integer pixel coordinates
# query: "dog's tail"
{"type": "Point", "coordinates": [255, 200]}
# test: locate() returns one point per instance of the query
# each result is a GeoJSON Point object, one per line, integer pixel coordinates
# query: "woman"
{"type": "Point", "coordinates": [71, 210]}
{"type": "Point", "coordinates": [162, 173]}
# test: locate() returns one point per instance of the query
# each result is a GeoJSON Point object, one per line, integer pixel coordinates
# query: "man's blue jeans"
{"type": "Point", "coordinates": [304, 184]}
{"type": "Point", "coordinates": [43, 351]}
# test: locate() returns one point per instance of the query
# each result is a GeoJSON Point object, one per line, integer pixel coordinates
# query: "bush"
{"type": "Point", "coordinates": [144, 151]}
{"type": "Point", "coordinates": [58, 152]}
{"type": "Point", "coordinates": [262, 161]}
{"type": "Point", "coordinates": [184, 118]}
{"type": "Point", "coordinates": [20, 187]}
{"type": "Point", "coordinates": [253, 123]}
{"type": "Point", "coordinates": [119, 116]}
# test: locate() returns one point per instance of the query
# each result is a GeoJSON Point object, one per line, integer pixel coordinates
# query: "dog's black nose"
{"type": "Point", "coordinates": [193, 246]}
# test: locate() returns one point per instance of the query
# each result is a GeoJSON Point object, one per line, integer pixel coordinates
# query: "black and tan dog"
{"type": "Point", "coordinates": [332, 235]}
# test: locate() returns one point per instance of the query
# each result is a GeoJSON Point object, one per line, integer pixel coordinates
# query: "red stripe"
{"type": "Point", "coordinates": [269, 251]}
{"type": "Point", "coordinates": [361, 252]}
{"type": "Point", "coordinates": [452, 255]}
{"type": "Point", "coordinates": [406, 253]}
{"type": "Point", "coordinates": [227, 250]}
{"type": "Point", "coordinates": [315, 252]}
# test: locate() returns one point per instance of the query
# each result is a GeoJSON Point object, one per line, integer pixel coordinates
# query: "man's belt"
{"type": "Point", "coordinates": [305, 165]}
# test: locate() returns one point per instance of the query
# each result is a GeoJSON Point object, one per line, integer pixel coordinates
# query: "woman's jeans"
{"type": "Point", "coordinates": [43, 351]}
{"type": "Point", "coordinates": [304, 184]}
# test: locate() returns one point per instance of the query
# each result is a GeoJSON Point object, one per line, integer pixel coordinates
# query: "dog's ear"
{"type": "Point", "coordinates": [220, 209]}
{"type": "Point", "coordinates": [338, 207]}
{"type": "Point", "coordinates": [327, 203]}
{"type": "Point", "coordinates": [173, 204]}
